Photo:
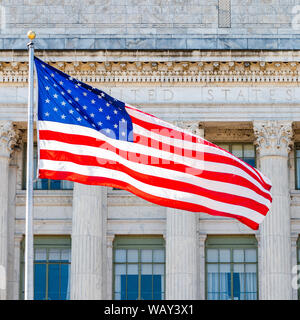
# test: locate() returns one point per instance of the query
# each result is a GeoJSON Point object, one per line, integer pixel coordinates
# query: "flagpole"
{"type": "Point", "coordinates": [29, 177]}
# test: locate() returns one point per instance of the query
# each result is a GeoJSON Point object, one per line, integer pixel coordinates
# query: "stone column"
{"type": "Point", "coordinates": [273, 140]}
{"type": "Point", "coordinates": [88, 242]}
{"type": "Point", "coordinates": [181, 255]}
{"type": "Point", "coordinates": [295, 267]}
{"type": "Point", "coordinates": [201, 263]}
{"type": "Point", "coordinates": [11, 221]}
{"type": "Point", "coordinates": [109, 266]}
{"type": "Point", "coordinates": [181, 248]}
{"type": "Point", "coordinates": [8, 138]}
{"type": "Point", "coordinates": [15, 294]}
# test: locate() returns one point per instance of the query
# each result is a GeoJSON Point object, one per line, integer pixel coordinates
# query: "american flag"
{"type": "Point", "coordinates": [89, 137]}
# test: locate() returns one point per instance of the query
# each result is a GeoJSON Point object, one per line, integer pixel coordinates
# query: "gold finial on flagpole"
{"type": "Point", "coordinates": [31, 34]}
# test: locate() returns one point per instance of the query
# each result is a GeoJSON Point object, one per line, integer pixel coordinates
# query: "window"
{"type": "Point", "coordinates": [244, 151]}
{"type": "Point", "coordinates": [139, 268]}
{"type": "Point", "coordinates": [297, 165]}
{"type": "Point", "coordinates": [52, 261]}
{"type": "Point", "coordinates": [43, 184]}
{"type": "Point", "coordinates": [231, 268]}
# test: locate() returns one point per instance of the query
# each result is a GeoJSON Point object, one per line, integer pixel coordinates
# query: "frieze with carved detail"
{"type": "Point", "coordinates": [163, 71]}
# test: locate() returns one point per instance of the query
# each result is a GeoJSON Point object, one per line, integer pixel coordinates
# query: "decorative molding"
{"type": "Point", "coordinates": [65, 198]}
{"type": "Point", "coordinates": [51, 198]}
{"type": "Point", "coordinates": [116, 198]}
{"type": "Point", "coordinates": [9, 138]}
{"type": "Point", "coordinates": [294, 239]}
{"type": "Point", "coordinates": [273, 138]}
{"type": "Point", "coordinates": [18, 239]}
{"type": "Point", "coordinates": [258, 238]}
{"type": "Point", "coordinates": [109, 240]}
{"type": "Point", "coordinates": [201, 239]}
{"type": "Point", "coordinates": [151, 71]}
{"type": "Point", "coordinates": [295, 197]}
{"type": "Point", "coordinates": [45, 226]}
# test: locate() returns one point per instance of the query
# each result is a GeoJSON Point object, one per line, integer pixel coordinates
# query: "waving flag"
{"type": "Point", "coordinates": [87, 136]}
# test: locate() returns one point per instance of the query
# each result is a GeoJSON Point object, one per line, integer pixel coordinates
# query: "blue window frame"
{"type": "Point", "coordinates": [244, 151]}
{"type": "Point", "coordinates": [139, 268]}
{"type": "Point", "coordinates": [52, 261]}
{"type": "Point", "coordinates": [231, 268]}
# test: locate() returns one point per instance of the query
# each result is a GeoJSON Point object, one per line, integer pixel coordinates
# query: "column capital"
{"type": "Point", "coordinates": [273, 138]}
{"type": "Point", "coordinates": [9, 137]}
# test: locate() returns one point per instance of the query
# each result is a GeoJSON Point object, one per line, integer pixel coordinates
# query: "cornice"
{"type": "Point", "coordinates": [163, 71]}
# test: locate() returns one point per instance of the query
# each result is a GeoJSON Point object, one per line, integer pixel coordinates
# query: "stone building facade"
{"type": "Point", "coordinates": [226, 70]}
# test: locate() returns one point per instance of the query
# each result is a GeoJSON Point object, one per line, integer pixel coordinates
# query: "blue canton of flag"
{"type": "Point", "coordinates": [66, 100]}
